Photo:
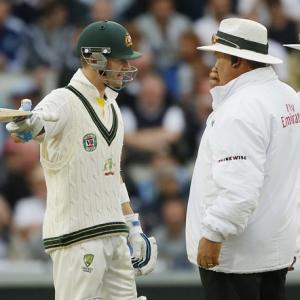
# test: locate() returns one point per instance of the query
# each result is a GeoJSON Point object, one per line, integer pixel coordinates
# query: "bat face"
{"type": "Point", "coordinates": [9, 115]}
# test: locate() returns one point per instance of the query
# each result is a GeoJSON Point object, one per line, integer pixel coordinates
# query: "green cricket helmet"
{"type": "Point", "coordinates": [108, 38]}
{"type": "Point", "coordinates": [102, 40]}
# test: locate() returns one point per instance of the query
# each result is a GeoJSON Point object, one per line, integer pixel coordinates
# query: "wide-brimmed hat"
{"type": "Point", "coordinates": [294, 46]}
{"type": "Point", "coordinates": [242, 38]}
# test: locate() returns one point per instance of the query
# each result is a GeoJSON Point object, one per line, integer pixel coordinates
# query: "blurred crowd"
{"type": "Point", "coordinates": [164, 109]}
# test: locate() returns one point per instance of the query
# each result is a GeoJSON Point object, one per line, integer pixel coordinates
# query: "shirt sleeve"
{"type": "Point", "coordinates": [239, 154]}
{"type": "Point", "coordinates": [55, 103]}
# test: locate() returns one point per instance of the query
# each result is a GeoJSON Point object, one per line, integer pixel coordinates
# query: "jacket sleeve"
{"type": "Point", "coordinates": [238, 160]}
{"type": "Point", "coordinates": [57, 104]}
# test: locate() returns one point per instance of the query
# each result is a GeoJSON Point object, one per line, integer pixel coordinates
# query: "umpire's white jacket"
{"type": "Point", "coordinates": [243, 186]}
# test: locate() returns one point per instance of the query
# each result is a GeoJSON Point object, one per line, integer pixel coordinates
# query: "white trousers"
{"type": "Point", "coordinates": [95, 269]}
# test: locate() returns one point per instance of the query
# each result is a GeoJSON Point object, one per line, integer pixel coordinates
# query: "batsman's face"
{"type": "Point", "coordinates": [115, 75]}
{"type": "Point", "coordinates": [224, 68]}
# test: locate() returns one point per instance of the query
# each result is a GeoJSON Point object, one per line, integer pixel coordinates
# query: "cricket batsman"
{"type": "Point", "coordinates": [89, 221]}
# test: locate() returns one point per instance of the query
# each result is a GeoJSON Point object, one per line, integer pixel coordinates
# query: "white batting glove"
{"type": "Point", "coordinates": [26, 129]}
{"type": "Point", "coordinates": [135, 239]}
{"type": "Point", "coordinates": [147, 264]}
{"type": "Point", "coordinates": [144, 249]}
{"type": "Point", "coordinates": [23, 129]}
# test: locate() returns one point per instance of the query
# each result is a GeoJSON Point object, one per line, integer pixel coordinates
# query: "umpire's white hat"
{"type": "Point", "coordinates": [242, 38]}
{"type": "Point", "coordinates": [294, 46]}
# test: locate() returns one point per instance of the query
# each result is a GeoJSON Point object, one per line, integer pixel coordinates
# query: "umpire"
{"type": "Point", "coordinates": [242, 217]}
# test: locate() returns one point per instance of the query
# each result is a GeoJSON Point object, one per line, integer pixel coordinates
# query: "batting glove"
{"type": "Point", "coordinates": [26, 129]}
{"type": "Point", "coordinates": [143, 249]}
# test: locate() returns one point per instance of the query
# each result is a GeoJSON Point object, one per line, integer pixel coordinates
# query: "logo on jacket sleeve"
{"type": "Point", "coordinates": [234, 157]}
{"type": "Point", "coordinates": [89, 142]}
{"type": "Point", "coordinates": [88, 260]}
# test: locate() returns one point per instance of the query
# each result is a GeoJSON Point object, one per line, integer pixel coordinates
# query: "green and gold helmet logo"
{"type": "Point", "coordinates": [88, 259]}
{"type": "Point", "coordinates": [128, 41]}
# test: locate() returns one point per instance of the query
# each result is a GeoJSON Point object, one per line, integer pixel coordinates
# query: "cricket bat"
{"type": "Point", "coordinates": [10, 115]}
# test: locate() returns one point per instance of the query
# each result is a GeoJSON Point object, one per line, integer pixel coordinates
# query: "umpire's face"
{"type": "Point", "coordinates": [224, 67]}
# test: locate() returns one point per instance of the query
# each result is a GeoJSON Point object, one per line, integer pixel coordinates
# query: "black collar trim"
{"type": "Point", "coordinates": [108, 135]}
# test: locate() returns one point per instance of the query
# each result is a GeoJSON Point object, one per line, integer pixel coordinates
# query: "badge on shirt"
{"type": "Point", "coordinates": [88, 259]}
{"type": "Point", "coordinates": [89, 142]}
{"type": "Point", "coordinates": [109, 167]}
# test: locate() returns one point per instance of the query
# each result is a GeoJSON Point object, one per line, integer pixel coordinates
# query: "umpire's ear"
{"type": "Point", "coordinates": [235, 61]}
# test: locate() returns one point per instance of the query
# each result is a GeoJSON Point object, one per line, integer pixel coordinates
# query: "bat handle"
{"type": "Point", "coordinates": [26, 105]}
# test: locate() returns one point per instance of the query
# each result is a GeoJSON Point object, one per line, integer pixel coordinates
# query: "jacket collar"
{"type": "Point", "coordinates": [80, 82]}
{"type": "Point", "coordinates": [221, 93]}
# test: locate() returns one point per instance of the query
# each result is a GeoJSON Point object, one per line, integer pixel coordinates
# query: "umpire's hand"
{"type": "Point", "coordinates": [208, 253]}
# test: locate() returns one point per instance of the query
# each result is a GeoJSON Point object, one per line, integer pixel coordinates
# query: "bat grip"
{"type": "Point", "coordinates": [26, 105]}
